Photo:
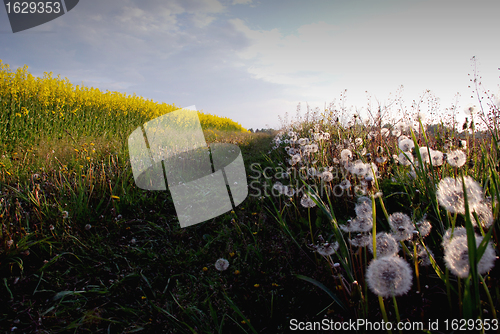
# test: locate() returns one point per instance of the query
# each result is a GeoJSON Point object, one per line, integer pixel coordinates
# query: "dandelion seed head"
{"type": "Point", "coordinates": [456, 257]}
{"type": "Point", "coordinates": [401, 226]}
{"type": "Point", "coordinates": [406, 144]}
{"type": "Point", "coordinates": [361, 240]}
{"type": "Point", "coordinates": [361, 224]}
{"type": "Point", "coordinates": [437, 158]}
{"type": "Point", "coordinates": [221, 264]}
{"type": "Point", "coordinates": [327, 176]}
{"type": "Point", "coordinates": [327, 248]}
{"type": "Point", "coordinates": [448, 235]}
{"type": "Point", "coordinates": [345, 155]}
{"type": "Point", "coordinates": [456, 158]}
{"type": "Point", "coordinates": [405, 159]}
{"type": "Point", "coordinates": [424, 227]}
{"type": "Point", "coordinates": [307, 202]}
{"type": "Point", "coordinates": [389, 276]}
{"type": "Point", "coordinates": [484, 213]}
{"type": "Point", "coordinates": [364, 208]}
{"type": "Point", "coordinates": [386, 245]}
{"type": "Point", "coordinates": [450, 194]}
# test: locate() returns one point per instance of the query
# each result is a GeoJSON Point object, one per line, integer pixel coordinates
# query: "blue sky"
{"type": "Point", "coordinates": [253, 60]}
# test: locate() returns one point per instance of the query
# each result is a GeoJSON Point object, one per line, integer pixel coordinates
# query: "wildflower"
{"type": "Point", "coordinates": [303, 141]}
{"type": "Point", "coordinates": [364, 207]}
{"type": "Point", "coordinates": [65, 214]}
{"type": "Point", "coordinates": [361, 224]}
{"type": "Point", "coordinates": [401, 226]}
{"type": "Point", "coordinates": [406, 145]}
{"type": "Point", "coordinates": [326, 176]}
{"type": "Point", "coordinates": [221, 264]}
{"type": "Point", "coordinates": [361, 240]}
{"type": "Point", "coordinates": [358, 141]}
{"type": "Point", "coordinates": [396, 132]}
{"type": "Point", "coordinates": [88, 227]}
{"type": "Point", "coordinates": [424, 154]}
{"type": "Point", "coordinates": [457, 232]}
{"type": "Point", "coordinates": [450, 194]}
{"type": "Point", "coordinates": [405, 159]}
{"type": "Point", "coordinates": [358, 168]}
{"type": "Point", "coordinates": [205, 269]}
{"type": "Point", "coordinates": [484, 213]}
{"type": "Point", "coordinates": [456, 257]}
{"type": "Point", "coordinates": [327, 248]}
{"type": "Point", "coordinates": [424, 227]}
{"type": "Point", "coordinates": [278, 187]}
{"type": "Point", "coordinates": [307, 202]}
{"type": "Point", "coordinates": [313, 148]}
{"type": "Point", "coordinates": [256, 285]}
{"type": "Point", "coordinates": [437, 158]}
{"type": "Point", "coordinates": [237, 272]}
{"type": "Point", "coordinates": [386, 245]}
{"type": "Point", "coordinates": [51, 227]}
{"type": "Point", "coordinates": [345, 155]}
{"type": "Point", "coordinates": [456, 158]}
{"type": "Point", "coordinates": [389, 276]}
{"type": "Point", "coordinates": [295, 159]}
{"type": "Point", "coordinates": [345, 184]}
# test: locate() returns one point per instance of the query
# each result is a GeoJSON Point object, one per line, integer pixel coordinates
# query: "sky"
{"type": "Point", "coordinates": [254, 61]}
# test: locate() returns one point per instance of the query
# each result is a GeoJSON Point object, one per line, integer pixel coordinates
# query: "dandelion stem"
{"type": "Point", "coordinates": [396, 309]}
{"type": "Point", "coordinates": [415, 260]}
{"type": "Point", "coordinates": [382, 309]}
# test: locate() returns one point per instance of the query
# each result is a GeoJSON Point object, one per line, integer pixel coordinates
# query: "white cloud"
{"type": "Point", "coordinates": [241, 2]}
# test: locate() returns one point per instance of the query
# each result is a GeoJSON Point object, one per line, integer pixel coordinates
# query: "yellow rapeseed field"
{"type": "Point", "coordinates": [34, 109]}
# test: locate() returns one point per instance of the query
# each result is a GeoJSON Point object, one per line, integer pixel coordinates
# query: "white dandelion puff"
{"type": "Point", "coordinates": [406, 145]}
{"type": "Point", "coordinates": [456, 257]}
{"type": "Point", "coordinates": [386, 245]}
{"type": "Point", "coordinates": [456, 158]}
{"type": "Point", "coordinates": [307, 202]}
{"type": "Point", "coordinates": [401, 226]}
{"type": "Point", "coordinates": [405, 158]}
{"type": "Point", "coordinates": [389, 276]}
{"type": "Point", "coordinates": [221, 264]}
{"type": "Point", "coordinates": [328, 248]}
{"type": "Point", "coordinates": [450, 194]}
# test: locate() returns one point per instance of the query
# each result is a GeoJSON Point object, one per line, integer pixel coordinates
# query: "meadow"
{"type": "Point", "coordinates": [349, 220]}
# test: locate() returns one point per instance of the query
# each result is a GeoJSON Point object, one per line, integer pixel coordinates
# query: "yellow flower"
{"type": "Point", "coordinates": [115, 197]}
{"type": "Point", "coordinates": [236, 272]}
{"type": "Point", "coordinates": [275, 284]}
{"type": "Point", "coordinates": [231, 254]}
{"type": "Point", "coordinates": [205, 269]}
{"type": "Point", "coordinates": [256, 285]}
{"type": "Point", "coordinates": [143, 297]}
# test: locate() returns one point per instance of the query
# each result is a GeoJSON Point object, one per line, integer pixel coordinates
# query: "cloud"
{"type": "Point", "coordinates": [241, 2]}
